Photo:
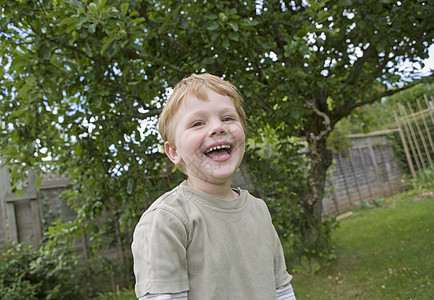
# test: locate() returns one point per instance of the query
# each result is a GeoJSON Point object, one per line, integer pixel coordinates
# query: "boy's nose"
{"type": "Point", "coordinates": [218, 129]}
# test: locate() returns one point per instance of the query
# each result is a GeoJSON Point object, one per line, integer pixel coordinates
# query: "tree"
{"type": "Point", "coordinates": [84, 81]}
{"type": "Point", "coordinates": [335, 57]}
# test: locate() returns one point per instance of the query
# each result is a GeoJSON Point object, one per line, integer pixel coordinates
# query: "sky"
{"type": "Point", "coordinates": [429, 63]}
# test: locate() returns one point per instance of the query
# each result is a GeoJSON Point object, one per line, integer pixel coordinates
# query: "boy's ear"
{"type": "Point", "coordinates": [172, 154]}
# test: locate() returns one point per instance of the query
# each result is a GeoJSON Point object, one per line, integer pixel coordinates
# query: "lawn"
{"type": "Point", "coordinates": [382, 253]}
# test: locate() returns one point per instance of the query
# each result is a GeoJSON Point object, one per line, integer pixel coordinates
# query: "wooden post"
{"type": "Point", "coordinates": [354, 175]}
{"type": "Point", "coordinates": [427, 129]}
{"type": "Point", "coordinates": [364, 171]}
{"type": "Point", "coordinates": [334, 196]}
{"type": "Point", "coordinates": [387, 167]}
{"type": "Point", "coordinates": [11, 223]}
{"type": "Point", "coordinates": [430, 106]}
{"type": "Point", "coordinates": [10, 201]}
{"type": "Point", "coordinates": [29, 196]}
{"type": "Point", "coordinates": [404, 144]}
{"type": "Point", "coordinates": [422, 137]}
{"type": "Point", "coordinates": [4, 186]}
{"type": "Point", "coordinates": [8, 208]}
{"type": "Point", "coordinates": [345, 181]}
{"type": "Point", "coordinates": [378, 173]}
{"type": "Point", "coordinates": [409, 136]}
{"type": "Point", "coordinates": [374, 161]}
{"type": "Point", "coordinates": [37, 230]}
{"type": "Point", "coordinates": [415, 140]}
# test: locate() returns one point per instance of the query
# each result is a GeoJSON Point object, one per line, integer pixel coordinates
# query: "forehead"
{"type": "Point", "coordinates": [210, 101]}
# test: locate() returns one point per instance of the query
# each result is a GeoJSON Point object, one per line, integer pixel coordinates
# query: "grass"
{"type": "Point", "coordinates": [382, 253]}
{"type": "Point", "coordinates": [121, 295]}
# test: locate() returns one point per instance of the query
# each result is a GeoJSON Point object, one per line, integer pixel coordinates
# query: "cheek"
{"type": "Point", "coordinates": [240, 138]}
{"type": "Point", "coordinates": [194, 139]}
{"type": "Point", "coordinates": [190, 143]}
{"type": "Point", "coordinates": [238, 132]}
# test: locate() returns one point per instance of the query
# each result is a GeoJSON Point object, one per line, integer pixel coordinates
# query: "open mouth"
{"type": "Point", "coordinates": [219, 152]}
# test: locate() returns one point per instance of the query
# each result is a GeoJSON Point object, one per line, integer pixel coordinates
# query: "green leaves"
{"type": "Point", "coordinates": [124, 9]}
{"type": "Point", "coordinates": [109, 47]}
{"type": "Point", "coordinates": [80, 80]}
{"type": "Point", "coordinates": [213, 27]}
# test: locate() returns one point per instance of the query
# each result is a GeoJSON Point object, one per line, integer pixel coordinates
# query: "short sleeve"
{"type": "Point", "coordinates": [281, 275]}
{"type": "Point", "coordinates": [159, 252]}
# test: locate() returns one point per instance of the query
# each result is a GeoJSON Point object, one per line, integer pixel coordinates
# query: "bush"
{"type": "Point", "coordinates": [15, 277]}
{"type": "Point", "coordinates": [30, 273]}
{"type": "Point", "coordinates": [277, 174]}
{"type": "Point", "coordinates": [424, 180]}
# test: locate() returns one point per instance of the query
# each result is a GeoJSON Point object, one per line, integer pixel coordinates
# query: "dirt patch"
{"type": "Point", "coordinates": [423, 196]}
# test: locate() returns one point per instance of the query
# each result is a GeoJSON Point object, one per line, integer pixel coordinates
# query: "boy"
{"type": "Point", "coordinates": [204, 240]}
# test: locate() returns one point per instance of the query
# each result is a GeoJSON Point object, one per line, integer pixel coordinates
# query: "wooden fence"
{"type": "Point", "coordinates": [21, 215]}
{"type": "Point", "coordinates": [366, 171]}
{"type": "Point", "coordinates": [417, 134]}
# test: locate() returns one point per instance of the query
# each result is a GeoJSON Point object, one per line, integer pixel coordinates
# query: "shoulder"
{"type": "Point", "coordinates": [254, 200]}
{"type": "Point", "coordinates": [256, 204]}
{"type": "Point", "coordinates": [168, 209]}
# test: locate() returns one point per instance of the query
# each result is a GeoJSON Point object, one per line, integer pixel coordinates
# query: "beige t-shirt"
{"type": "Point", "coordinates": [214, 249]}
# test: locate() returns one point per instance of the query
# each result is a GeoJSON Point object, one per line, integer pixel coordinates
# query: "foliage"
{"type": "Point", "coordinates": [424, 180]}
{"type": "Point", "coordinates": [398, 152]}
{"type": "Point", "coordinates": [363, 204]}
{"type": "Point", "coordinates": [83, 81]}
{"type": "Point", "coordinates": [29, 273]}
{"type": "Point", "coordinates": [277, 180]}
{"type": "Point", "coordinates": [338, 139]}
{"type": "Point", "coordinates": [107, 274]}
{"type": "Point", "coordinates": [313, 260]}
{"type": "Point", "coordinates": [378, 201]}
{"type": "Point", "coordinates": [374, 202]}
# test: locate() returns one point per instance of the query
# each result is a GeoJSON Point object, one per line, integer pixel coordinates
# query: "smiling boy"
{"type": "Point", "coordinates": [204, 239]}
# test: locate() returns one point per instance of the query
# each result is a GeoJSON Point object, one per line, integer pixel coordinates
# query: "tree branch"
{"type": "Point", "coordinates": [346, 109]}
{"type": "Point", "coordinates": [326, 118]}
{"type": "Point", "coordinates": [379, 96]}
{"type": "Point", "coordinates": [358, 65]}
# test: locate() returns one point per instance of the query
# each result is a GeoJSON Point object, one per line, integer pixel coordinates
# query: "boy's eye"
{"type": "Point", "coordinates": [228, 118]}
{"type": "Point", "coordinates": [197, 123]}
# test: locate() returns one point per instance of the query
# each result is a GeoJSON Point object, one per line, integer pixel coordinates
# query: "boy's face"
{"type": "Point", "coordinates": [209, 138]}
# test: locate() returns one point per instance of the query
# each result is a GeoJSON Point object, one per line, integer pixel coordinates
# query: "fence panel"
{"type": "Point", "coordinates": [417, 134]}
{"type": "Point", "coordinates": [367, 170]}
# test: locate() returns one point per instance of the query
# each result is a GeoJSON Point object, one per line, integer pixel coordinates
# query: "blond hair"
{"type": "Point", "coordinates": [197, 84]}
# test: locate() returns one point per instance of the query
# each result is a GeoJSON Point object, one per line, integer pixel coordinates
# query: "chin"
{"type": "Point", "coordinates": [223, 174]}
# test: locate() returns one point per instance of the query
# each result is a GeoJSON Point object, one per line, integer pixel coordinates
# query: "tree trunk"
{"type": "Point", "coordinates": [314, 235]}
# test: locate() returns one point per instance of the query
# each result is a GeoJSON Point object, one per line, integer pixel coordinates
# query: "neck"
{"type": "Point", "coordinates": [221, 190]}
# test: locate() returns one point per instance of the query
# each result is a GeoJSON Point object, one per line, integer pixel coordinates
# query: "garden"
{"type": "Point", "coordinates": [82, 84]}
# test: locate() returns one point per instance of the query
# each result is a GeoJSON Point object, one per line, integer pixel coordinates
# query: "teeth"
{"type": "Point", "coordinates": [217, 148]}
